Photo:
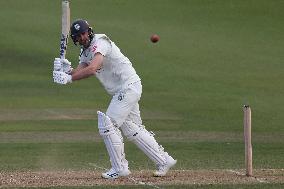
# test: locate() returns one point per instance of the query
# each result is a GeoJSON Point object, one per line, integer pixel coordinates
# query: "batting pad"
{"type": "Point", "coordinates": [145, 141]}
{"type": "Point", "coordinates": [113, 142]}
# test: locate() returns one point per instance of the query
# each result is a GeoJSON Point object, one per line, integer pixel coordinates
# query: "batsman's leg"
{"type": "Point", "coordinates": [147, 143]}
{"type": "Point", "coordinates": [115, 147]}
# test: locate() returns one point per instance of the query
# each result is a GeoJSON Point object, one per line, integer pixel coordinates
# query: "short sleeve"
{"type": "Point", "coordinates": [103, 46]}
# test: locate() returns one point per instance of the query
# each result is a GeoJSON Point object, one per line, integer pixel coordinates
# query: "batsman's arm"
{"type": "Point", "coordinates": [79, 67]}
{"type": "Point", "coordinates": [85, 71]}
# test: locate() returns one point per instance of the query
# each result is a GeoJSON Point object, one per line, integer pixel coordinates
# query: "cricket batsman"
{"type": "Point", "coordinates": [101, 57]}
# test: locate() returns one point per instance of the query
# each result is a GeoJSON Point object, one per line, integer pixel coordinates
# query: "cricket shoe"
{"type": "Point", "coordinates": [112, 174]}
{"type": "Point", "coordinates": [163, 169]}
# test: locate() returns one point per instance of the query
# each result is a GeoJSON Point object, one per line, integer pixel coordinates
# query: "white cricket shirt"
{"type": "Point", "coordinates": [116, 72]}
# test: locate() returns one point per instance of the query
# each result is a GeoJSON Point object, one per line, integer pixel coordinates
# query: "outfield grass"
{"type": "Point", "coordinates": [213, 57]}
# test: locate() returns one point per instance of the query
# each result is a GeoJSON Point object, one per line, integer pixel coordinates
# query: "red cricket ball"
{"type": "Point", "coordinates": [155, 38]}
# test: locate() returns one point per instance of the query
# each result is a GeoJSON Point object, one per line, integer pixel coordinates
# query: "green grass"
{"type": "Point", "coordinates": [78, 155]}
{"type": "Point", "coordinates": [213, 57]}
{"type": "Point", "coordinates": [46, 125]}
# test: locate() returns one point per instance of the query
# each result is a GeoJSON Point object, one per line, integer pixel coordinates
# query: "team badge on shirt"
{"type": "Point", "coordinates": [120, 96]}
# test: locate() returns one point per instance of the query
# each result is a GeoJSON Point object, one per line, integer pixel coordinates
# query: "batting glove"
{"type": "Point", "coordinates": [61, 78]}
{"type": "Point", "coordinates": [62, 65]}
{"type": "Point", "coordinates": [57, 64]}
{"type": "Point", "coordinates": [66, 65]}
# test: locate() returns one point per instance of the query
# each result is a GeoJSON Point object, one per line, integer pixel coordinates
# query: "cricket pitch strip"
{"type": "Point", "coordinates": [143, 177]}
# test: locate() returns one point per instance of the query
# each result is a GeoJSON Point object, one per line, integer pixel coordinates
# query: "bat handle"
{"type": "Point", "coordinates": [63, 47]}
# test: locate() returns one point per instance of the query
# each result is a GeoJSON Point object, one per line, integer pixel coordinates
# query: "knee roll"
{"type": "Point", "coordinates": [130, 129]}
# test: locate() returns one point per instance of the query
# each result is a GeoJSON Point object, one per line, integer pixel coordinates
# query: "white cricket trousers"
{"type": "Point", "coordinates": [125, 104]}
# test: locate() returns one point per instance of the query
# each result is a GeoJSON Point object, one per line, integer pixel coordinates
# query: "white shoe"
{"type": "Point", "coordinates": [163, 169]}
{"type": "Point", "coordinates": [112, 174]}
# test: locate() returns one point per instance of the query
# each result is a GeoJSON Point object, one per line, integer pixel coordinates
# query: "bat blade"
{"type": "Point", "coordinates": [65, 23]}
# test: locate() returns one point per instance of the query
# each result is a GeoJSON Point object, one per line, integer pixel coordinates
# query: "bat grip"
{"type": "Point", "coordinates": [63, 47]}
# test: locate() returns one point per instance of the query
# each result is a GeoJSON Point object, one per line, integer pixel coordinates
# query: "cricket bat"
{"type": "Point", "coordinates": [65, 27]}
